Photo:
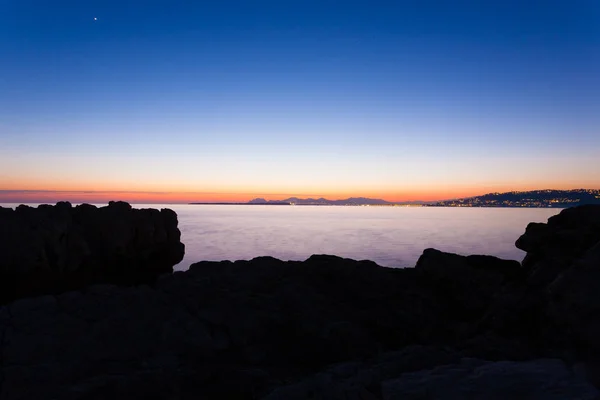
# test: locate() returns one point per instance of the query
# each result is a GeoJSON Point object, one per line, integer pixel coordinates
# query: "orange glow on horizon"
{"type": "Point", "coordinates": [179, 190]}
{"type": "Point", "coordinates": [173, 197]}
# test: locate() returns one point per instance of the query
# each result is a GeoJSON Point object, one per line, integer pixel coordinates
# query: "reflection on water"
{"type": "Point", "coordinates": [390, 236]}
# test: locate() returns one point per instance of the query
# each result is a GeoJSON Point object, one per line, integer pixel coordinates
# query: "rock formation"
{"type": "Point", "coordinates": [50, 249]}
{"type": "Point", "coordinates": [394, 376]}
{"type": "Point", "coordinates": [327, 328]}
{"type": "Point", "coordinates": [563, 259]}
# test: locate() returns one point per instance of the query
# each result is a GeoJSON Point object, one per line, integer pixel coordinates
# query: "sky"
{"type": "Point", "coordinates": [177, 101]}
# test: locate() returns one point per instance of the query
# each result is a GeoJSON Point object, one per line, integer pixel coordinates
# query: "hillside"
{"type": "Point", "coordinates": [533, 198]}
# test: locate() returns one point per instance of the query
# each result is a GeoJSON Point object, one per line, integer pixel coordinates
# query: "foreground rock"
{"type": "Point", "coordinates": [327, 328]}
{"type": "Point", "coordinates": [50, 249]}
{"type": "Point", "coordinates": [476, 379]}
{"type": "Point", "coordinates": [389, 377]}
{"type": "Point", "coordinates": [227, 330]}
{"type": "Point", "coordinates": [563, 263]}
{"type": "Point", "coordinates": [246, 330]}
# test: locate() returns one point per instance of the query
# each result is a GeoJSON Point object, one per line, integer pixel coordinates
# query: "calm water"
{"type": "Point", "coordinates": [390, 236]}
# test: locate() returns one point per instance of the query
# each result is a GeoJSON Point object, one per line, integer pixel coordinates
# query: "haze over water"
{"type": "Point", "coordinates": [390, 236]}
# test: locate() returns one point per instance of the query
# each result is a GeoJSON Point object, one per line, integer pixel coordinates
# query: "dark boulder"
{"type": "Point", "coordinates": [563, 266]}
{"type": "Point", "coordinates": [552, 247]}
{"type": "Point", "coordinates": [420, 372]}
{"type": "Point", "coordinates": [50, 249]}
{"type": "Point", "coordinates": [542, 379]}
{"type": "Point", "coordinates": [574, 304]}
{"type": "Point", "coordinates": [468, 284]}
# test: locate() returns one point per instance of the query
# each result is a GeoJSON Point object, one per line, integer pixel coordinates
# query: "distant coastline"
{"type": "Point", "coordinates": [548, 198]}
{"type": "Point", "coordinates": [241, 204]}
{"type": "Point", "coordinates": [314, 205]}
{"type": "Point", "coordinates": [295, 201]}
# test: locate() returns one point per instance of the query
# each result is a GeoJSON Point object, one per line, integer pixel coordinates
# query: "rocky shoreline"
{"type": "Point", "coordinates": [52, 249]}
{"type": "Point", "coordinates": [453, 327]}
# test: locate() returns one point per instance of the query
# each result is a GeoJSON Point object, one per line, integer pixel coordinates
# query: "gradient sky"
{"type": "Point", "coordinates": [229, 100]}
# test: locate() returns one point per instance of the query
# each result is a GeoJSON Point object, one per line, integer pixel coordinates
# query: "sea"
{"type": "Point", "coordinates": [390, 236]}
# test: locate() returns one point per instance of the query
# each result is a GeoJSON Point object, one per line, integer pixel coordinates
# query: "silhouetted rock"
{"type": "Point", "coordinates": [553, 310]}
{"type": "Point", "coordinates": [564, 259]}
{"type": "Point", "coordinates": [260, 323]}
{"type": "Point", "coordinates": [445, 376]}
{"type": "Point", "coordinates": [543, 379]}
{"type": "Point", "coordinates": [469, 283]}
{"type": "Point", "coordinates": [325, 328]}
{"type": "Point", "coordinates": [363, 379]}
{"type": "Point", "coordinates": [551, 248]}
{"type": "Point", "coordinates": [50, 249]}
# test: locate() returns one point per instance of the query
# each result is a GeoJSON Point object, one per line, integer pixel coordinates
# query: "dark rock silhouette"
{"type": "Point", "coordinates": [442, 376]}
{"type": "Point", "coordinates": [326, 328]}
{"type": "Point", "coordinates": [563, 258]}
{"type": "Point", "coordinates": [50, 249]}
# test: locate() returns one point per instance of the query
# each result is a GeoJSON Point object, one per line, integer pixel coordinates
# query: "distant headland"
{"type": "Point", "coordinates": [548, 198]}
{"type": "Point", "coordinates": [352, 201]}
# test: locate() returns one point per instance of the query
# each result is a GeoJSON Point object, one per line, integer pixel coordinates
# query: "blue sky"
{"type": "Point", "coordinates": [415, 99]}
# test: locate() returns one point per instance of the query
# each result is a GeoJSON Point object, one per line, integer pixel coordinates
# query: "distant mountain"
{"type": "Point", "coordinates": [260, 200]}
{"type": "Point", "coordinates": [364, 201]}
{"type": "Point", "coordinates": [534, 198]}
{"type": "Point", "coordinates": [352, 201]}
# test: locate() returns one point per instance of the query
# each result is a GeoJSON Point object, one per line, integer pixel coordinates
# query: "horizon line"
{"type": "Point", "coordinates": [80, 196]}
